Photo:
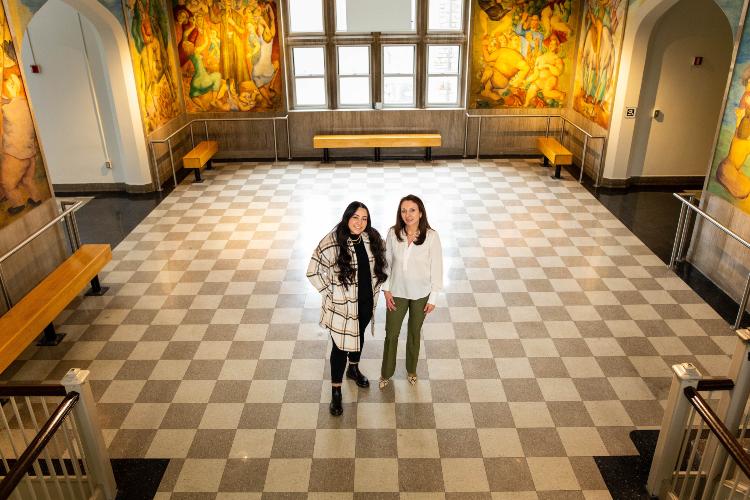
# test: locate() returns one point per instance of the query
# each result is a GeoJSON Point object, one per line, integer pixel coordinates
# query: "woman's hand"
{"type": "Point", "coordinates": [390, 304]}
{"type": "Point", "coordinates": [429, 308]}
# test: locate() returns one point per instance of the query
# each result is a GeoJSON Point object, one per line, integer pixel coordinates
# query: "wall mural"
{"type": "Point", "coordinates": [598, 58]}
{"type": "Point", "coordinates": [730, 173]}
{"type": "Point", "coordinates": [229, 54]}
{"type": "Point", "coordinates": [153, 61]}
{"type": "Point", "coordinates": [522, 53]}
{"type": "Point", "coordinates": [23, 178]}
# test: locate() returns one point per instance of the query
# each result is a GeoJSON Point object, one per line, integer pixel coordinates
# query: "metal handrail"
{"type": "Point", "coordinates": [680, 240]}
{"type": "Point", "coordinates": [35, 448]}
{"type": "Point", "coordinates": [546, 134]}
{"type": "Point", "coordinates": [71, 228]}
{"type": "Point", "coordinates": [168, 140]}
{"type": "Point", "coordinates": [719, 430]}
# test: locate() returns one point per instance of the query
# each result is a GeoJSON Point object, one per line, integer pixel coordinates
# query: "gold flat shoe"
{"type": "Point", "coordinates": [412, 379]}
{"type": "Point", "coordinates": [383, 383]}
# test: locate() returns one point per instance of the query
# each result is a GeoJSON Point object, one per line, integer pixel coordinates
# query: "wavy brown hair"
{"type": "Point", "coordinates": [344, 257]}
{"type": "Point", "coordinates": [400, 226]}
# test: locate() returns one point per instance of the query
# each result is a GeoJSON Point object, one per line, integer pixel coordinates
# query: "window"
{"type": "Point", "coordinates": [445, 15]}
{"type": "Point", "coordinates": [306, 16]}
{"type": "Point", "coordinates": [309, 77]}
{"type": "Point", "coordinates": [442, 75]}
{"type": "Point", "coordinates": [398, 76]}
{"type": "Point", "coordinates": [366, 16]}
{"type": "Point", "coordinates": [354, 76]}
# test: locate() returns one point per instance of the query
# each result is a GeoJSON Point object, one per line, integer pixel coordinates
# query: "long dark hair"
{"type": "Point", "coordinates": [400, 227]}
{"type": "Point", "coordinates": [344, 258]}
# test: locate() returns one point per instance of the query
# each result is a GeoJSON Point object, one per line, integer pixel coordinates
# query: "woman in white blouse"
{"type": "Point", "coordinates": [415, 267]}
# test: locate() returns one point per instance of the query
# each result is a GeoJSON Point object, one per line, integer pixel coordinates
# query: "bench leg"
{"type": "Point", "coordinates": [50, 337]}
{"type": "Point", "coordinates": [209, 165]}
{"type": "Point", "coordinates": [326, 157]}
{"type": "Point", "coordinates": [377, 154]}
{"type": "Point", "coordinates": [558, 168]}
{"type": "Point", "coordinates": [97, 290]}
{"type": "Point", "coordinates": [545, 161]}
{"type": "Point", "coordinates": [428, 154]}
{"type": "Point", "coordinates": [197, 172]}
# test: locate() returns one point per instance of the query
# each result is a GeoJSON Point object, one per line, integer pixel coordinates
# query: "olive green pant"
{"type": "Point", "coordinates": [393, 322]}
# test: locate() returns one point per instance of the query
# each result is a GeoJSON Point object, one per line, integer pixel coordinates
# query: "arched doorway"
{"type": "Point", "coordinates": [84, 97]}
{"type": "Point", "coordinates": [657, 73]}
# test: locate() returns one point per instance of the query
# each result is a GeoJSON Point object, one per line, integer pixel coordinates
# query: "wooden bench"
{"type": "Point", "coordinates": [200, 156]}
{"type": "Point", "coordinates": [554, 153]}
{"type": "Point", "coordinates": [377, 141]}
{"type": "Point", "coordinates": [37, 310]}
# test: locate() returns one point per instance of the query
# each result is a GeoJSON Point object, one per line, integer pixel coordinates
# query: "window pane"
{"type": "Point", "coordinates": [354, 91]}
{"type": "Point", "coordinates": [310, 91]}
{"type": "Point", "coordinates": [445, 15]}
{"type": "Point", "coordinates": [308, 61]}
{"type": "Point", "coordinates": [366, 16]}
{"type": "Point", "coordinates": [306, 16]}
{"type": "Point", "coordinates": [398, 90]}
{"type": "Point", "coordinates": [443, 59]}
{"type": "Point", "coordinates": [442, 90]}
{"type": "Point", "coordinates": [398, 59]}
{"type": "Point", "coordinates": [354, 60]}
{"type": "Point", "coordinates": [340, 15]}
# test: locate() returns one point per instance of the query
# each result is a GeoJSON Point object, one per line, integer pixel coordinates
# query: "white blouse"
{"type": "Point", "coordinates": [414, 271]}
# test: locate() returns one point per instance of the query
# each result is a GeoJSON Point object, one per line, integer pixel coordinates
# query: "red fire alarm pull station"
{"type": "Point", "coordinates": [35, 68]}
{"type": "Point", "coordinates": [697, 60]}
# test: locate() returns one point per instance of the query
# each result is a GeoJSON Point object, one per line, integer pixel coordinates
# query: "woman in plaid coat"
{"type": "Point", "coordinates": [348, 268]}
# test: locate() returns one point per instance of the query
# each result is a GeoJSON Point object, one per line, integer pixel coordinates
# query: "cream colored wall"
{"type": "Point", "coordinates": [689, 98]}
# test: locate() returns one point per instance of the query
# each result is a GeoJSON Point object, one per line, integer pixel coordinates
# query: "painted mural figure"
{"type": "Point", "coordinates": [19, 147]}
{"type": "Point", "coordinates": [521, 53]}
{"type": "Point", "coordinates": [729, 172]}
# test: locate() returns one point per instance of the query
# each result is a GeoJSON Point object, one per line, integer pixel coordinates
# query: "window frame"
{"type": "Point", "coordinates": [457, 75]}
{"type": "Point", "coordinates": [462, 25]}
{"type": "Point", "coordinates": [413, 75]}
{"type": "Point", "coordinates": [339, 77]}
{"type": "Point", "coordinates": [295, 77]}
{"type": "Point", "coordinates": [288, 21]}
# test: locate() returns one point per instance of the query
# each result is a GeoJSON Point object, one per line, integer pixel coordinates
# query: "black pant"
{"type": "Point", "coordinates": [339, 357]}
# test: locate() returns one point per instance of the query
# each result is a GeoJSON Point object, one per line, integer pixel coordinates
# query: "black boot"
{"type": "Point", "coordinates": [353, 373]}
{"type": "Point", "coordinates": [335, 407]}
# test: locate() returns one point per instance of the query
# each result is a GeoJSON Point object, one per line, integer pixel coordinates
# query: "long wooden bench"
{"type": "Point", "coordinates": [37, 310]}
{"type": "Point", "coordinates": [377, 141]}
{"type": "Point", "coordinates": [200, 156]}
{"type": "Point", "coordinates": [554, 153]}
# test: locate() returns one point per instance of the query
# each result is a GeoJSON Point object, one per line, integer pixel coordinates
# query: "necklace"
{"type": "Point", "coordinates": [357, 240]}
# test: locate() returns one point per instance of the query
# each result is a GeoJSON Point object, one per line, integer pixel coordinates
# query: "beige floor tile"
{"type": "Point", "coordinates": [298, 416]}
{"type": "Point", "coordinates": [608, 413]}
{"type": "Point", "coordinates": [485, 391]}
{"type": "Point", "coordinates": [334, 443]}
{"type": "Point", "coordinates": [376, 474]}
{"type": "Point", "coordinates": [453, 415]}
{"type": "Point", "coordinates": [630, 388]}
{"type": "Point", "coordinates": [221, 416]}
{"type": "Point", "coordinates": [473, 348]}
{"type": "Point", "coordinates": [252, 443]}
{"type": "Point", "coordinates": [514, 368]}
{"type": "Point", "coordinates": [376, 415]}
{"type": "Point", "coordinates": [212, 350]}
{"type": "Point", "coordinates": [267, 391]}
{"type": "Point", "coordinates": [582, 441]}
{"type": "Point", "coordinates": [552, 474]}
{"type": "Point", "coordinates": [122, 391]}
{"type": "Point", "coordinates": [194, 391]}
{"type": "Point", "coordinates": [515, 495]}
{"type": "Point", "coordinates": [287, 474]}
{"type": "Point", "coordinates": [464, 475]}
{"type": "Point", "coordinates": [171, 443]}
{"type": "Point", "coordinates": [277, 349]}
{"type": "Point", "coordinates": [526, 415]}
{"type": "Point", "coordinates": [238, 369]}
{"type": "Point", "coordinates": [417, 443]}
{"type": "Point", "coordinates": [200, 475]}
{"type": "Point", "coordinates": [407, 393]}
{"type": "Point", "coordinates": [307, 369]}
{"type": "Point", "coordinates": [500, 443]}
{"type": "Point", "coordinates": [445, 369]}
{"type": "Point", "coordinates": [145, 416]}
{"type": "Point", "coordinates": [580, 367]}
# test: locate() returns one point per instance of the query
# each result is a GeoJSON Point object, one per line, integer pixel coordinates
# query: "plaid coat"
{"type": "Point", "coordinates": [339, 314]}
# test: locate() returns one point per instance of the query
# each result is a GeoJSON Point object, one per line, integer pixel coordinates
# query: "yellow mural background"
{"type": "Point", "coordinates": [598, 59]}
{"type": "Point", "coordinates": [23, 177]}
{"type": "Point", "coordinates": [229, 54]}
{"type": "Point", "coordinates": [154, 65]}
{"type": "Point", "coordinates": [522, 53]}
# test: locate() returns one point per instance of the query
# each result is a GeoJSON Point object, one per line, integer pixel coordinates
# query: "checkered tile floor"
{"type": "Point", "coordinates": [552, 341]}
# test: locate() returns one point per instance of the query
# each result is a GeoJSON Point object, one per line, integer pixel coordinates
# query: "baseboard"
{"type": "Point", "coordinates": [676, 180]}
{"type": "Point", "coordinates": [103, 187]}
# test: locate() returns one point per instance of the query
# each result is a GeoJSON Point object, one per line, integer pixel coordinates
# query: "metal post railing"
{"type": "Point", "coordinates": [587, 136]}
{"type": "Point", "coordinates": [168, 140]}
{"type": "Point", "coordinates": [681, 240]}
